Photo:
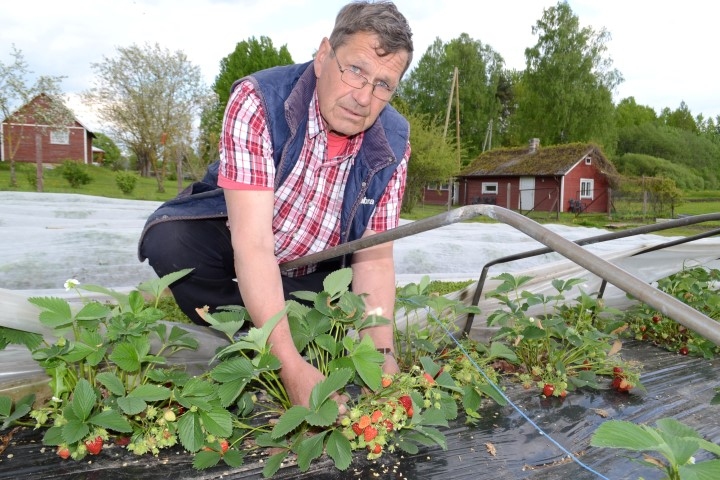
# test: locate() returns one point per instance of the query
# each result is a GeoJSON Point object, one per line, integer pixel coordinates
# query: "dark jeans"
{"type": "Point", "coordinates": [205, 246]}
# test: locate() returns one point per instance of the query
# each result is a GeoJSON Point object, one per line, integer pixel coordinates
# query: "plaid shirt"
{"type": "Point", "coordinates": [306, 216]}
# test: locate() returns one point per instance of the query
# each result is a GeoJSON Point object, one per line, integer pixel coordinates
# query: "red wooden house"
{"type": "Point", "coordinates": [561, 178]}
{"type": "Point", "coordinates": [21, 135]}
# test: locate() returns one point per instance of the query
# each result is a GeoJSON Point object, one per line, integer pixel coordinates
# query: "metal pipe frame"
{"type": "Point", "coordinates": [661, 301]}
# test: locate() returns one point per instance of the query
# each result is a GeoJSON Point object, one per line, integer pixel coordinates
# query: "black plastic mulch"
{"type": "Point", "coordinates": [677, 386]}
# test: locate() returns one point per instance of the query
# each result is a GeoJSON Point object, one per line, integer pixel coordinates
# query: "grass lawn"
{"type": "Point", "coordinates": [103, 184]}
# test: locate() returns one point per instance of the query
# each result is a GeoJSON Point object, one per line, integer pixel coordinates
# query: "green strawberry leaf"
{"type": "Point", "coordinates": [190, 431]}
{"type": "Point", "coordinates": [309, 449]}
{"type": "Point", "coordinates": [206, 459]}
{"type": "Point", "coordinates": [339, 449]}
{"type": "Point", "coordinates": [111, 420]}
{"type": "Point", "coordinates": [289, 421]}
{"type": "Point", "coordinates": [273, 464]}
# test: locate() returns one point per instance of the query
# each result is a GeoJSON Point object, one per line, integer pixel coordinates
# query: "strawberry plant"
{"type": "Point", "coordinates": [113, 378]}
{"type": "Point", "coordinates": [566, 345]}
{"type": "Point", "coordinates": [675, 442]}
{"type": "Point", "coordinates": [425, 334]}
{"type": "Point", "coordinates": [697, 287]}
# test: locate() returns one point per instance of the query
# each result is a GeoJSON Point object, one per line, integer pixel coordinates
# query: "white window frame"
{"type": "Point", "coordinates": [60, 136]}
{"type": "Point", "coordinates": [437, 187]}
{"type": "Point", "coordinates": [588, 160]}
{"type": "Point", "coordinates": [489, 188]}
{"type": "Point", "coordinates": [587, 187]}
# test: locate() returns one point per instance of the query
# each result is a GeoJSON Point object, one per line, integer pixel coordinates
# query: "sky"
{"type": "Point", "coordinates": [665, 51]}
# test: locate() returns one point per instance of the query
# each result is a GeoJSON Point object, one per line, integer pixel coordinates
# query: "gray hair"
{"type": "Point", "coordinates": [380, 18]}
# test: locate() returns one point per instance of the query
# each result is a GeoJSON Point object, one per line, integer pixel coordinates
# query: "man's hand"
{"type": "Point", "coordinates": [390, 367]}
{"type": "Point", "coordinates": [299, 378]}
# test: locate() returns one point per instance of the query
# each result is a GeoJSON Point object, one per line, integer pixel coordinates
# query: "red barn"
{"type": "Point", "coordinates": [561, 178]}
{"type": "Point", "coordinates": [21, 133]}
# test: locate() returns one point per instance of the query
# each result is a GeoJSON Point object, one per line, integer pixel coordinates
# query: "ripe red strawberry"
{"type": "Point", "coordinates": [63, 452]}
{"type": "Point", "coordinates": [376, 449]}
{"type": "Point", "coordinates": [683, 351]}
{"type": "Point", "coordinates": [376, 416]}
{"type": "Point", "coordinates": [410, 412]}
{"type": "Point", "coordinates": [406, 402]}
{"type": "Point", "coordinates": [617, 371]}
{"type": "Point", "coordinates": [624, 385]}
{"type": "Point", "coordinates": [364, 421]}
{"type": "Point", "coordinates": [429, 378]}
{"type": "Point", "coordinates": [224, 445]}
{"type": "Point", "coordinates": [548, 390]}
{"type": "Point", "coordinates": [356, 428]}
{"type": "Point", "coordinates": [370, 433]}
{"type": "Point", "coordinates": [94, 446]}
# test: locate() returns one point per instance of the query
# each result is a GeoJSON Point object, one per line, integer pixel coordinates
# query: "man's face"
{"type": "Point", "coordinates": [347, 110]}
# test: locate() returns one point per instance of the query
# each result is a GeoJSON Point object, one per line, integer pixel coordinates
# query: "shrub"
{"type": "Point", "coordinates": [126, 182]}
{"type": "Point", "coordinates": [31, 176]}
{"type": "Point", "coordinates": [75, 173]}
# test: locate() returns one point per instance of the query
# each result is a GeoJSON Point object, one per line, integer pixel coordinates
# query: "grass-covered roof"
{"type": "Point", "coordinates": [552, 160]}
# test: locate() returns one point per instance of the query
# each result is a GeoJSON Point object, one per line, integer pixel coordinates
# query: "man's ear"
{"type": "Point", "coordinates": [323, 51]}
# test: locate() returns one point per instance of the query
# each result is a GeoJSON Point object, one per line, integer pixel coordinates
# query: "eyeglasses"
{"type": "Point", "coordinates": [380, 90]}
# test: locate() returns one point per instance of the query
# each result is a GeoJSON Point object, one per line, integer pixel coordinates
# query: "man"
{"type": "Point", "coordinates": [311, 156]}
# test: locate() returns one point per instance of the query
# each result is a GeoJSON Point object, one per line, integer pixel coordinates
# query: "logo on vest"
{"type": "Point", "coordinates": [367, 201]}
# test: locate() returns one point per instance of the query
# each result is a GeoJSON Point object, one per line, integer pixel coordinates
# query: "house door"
{"type": "Point", "coordinates": [527, 193]}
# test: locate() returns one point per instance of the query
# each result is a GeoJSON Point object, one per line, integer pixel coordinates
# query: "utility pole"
{"type": "Point", "coordinates": [454, 91]}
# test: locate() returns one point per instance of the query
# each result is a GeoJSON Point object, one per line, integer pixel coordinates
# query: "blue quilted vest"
{"type": "Point", "coordinates": [286, 93]}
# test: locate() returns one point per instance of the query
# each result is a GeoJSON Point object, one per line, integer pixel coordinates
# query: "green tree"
{"type": "Point", "coordinates": [709, 127]}
{"type": "Point", "coordinates": [112, 156]}
{"type": "Point", "coordinates": [434, 158]}
{"type": "Point", "coordinates": [249, 56]}
{"type": "Point", "coordinates": [149, 97]}
{"type": "Point", "coordinates": [565, 94]}
{"type": "Point", "coordinates": [641, 165]}
{"type": "Point", "coordinates": [628, 113]}
{"type": "Point", "coordinates": [16, 92]}
{"type": "Point", "coordinates": [698, 153]}
{"type": "Point", "coordinates": [680, 118]}
{"type": "Point", "coordinates": [482, 88]}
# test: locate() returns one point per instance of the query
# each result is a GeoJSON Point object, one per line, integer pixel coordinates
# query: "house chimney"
{"type": "Point", "coordinates": [534, 145]}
